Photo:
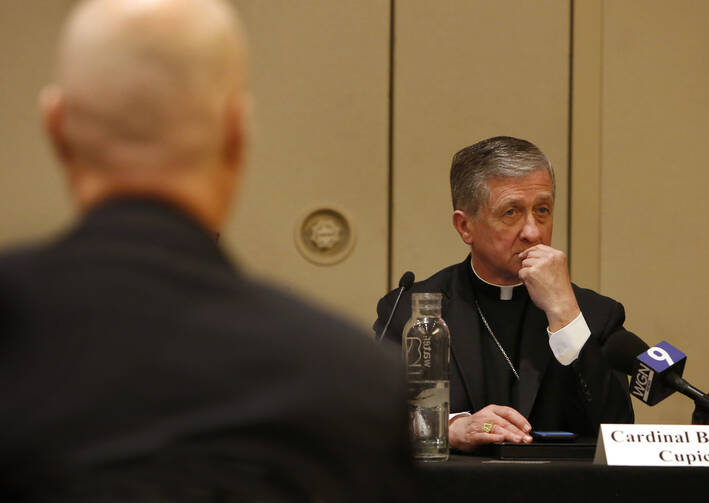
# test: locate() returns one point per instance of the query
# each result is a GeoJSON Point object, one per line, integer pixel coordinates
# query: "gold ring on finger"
{"type": "Point", "coordinates": [487, 427]}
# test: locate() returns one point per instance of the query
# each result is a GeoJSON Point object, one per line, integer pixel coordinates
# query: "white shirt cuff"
{"type": "Point", "coordinates": [566, 343]}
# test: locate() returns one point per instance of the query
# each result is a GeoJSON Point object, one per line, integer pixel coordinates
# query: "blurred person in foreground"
{"type": "Point", "coordinates": [527, 345]}
{"type": "Point", "coordinates": [137, 363]}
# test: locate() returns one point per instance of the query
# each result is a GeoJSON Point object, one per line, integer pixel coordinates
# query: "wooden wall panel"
{"type": "Point", "coordinates": [585, 197]}
{"type": "Point", "coordinates": [655, 121]}
{"type": "Point", "coordinates": [33, 201]}
{"type": "Point", "coordinates": [320, 75]}
{"type": "Point", "coordinates": [464, 71]}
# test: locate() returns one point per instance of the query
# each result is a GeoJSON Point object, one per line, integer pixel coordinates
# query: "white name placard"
{"type": "Point", "coordinates": [653, 445]}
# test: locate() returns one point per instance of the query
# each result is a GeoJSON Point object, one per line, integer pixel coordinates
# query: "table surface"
{"type": "Point", "coordinates": [485, 478]}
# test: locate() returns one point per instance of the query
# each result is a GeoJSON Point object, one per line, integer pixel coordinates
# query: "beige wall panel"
{"type": "Point", "coordinates": [320, 136]}
{"type": "Point", "coordinates": [466, 70]}
{"type": "Point", "coordinates": [585, 199]}
{"type": "Point", "coordinates": [33, 199]}
{"type": "Point", "coordinates": [654, 179]}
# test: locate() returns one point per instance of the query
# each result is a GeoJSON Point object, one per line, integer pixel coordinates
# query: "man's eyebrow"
{"type": "Point", "coordinates": [546, 198]}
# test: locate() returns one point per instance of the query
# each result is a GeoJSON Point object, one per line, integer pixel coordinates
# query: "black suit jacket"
{"type": "Point", "coordinates": [136, 357]}
{"type": "Point", "coordinates": [575, 398]}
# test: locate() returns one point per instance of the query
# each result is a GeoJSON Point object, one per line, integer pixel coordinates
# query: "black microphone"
{"type": "Point", "coordinates": [656, 372]}
{"type": "Point", "coordinates": [407, 279]}
{"type": "Point", "coordinates": [701, 412]}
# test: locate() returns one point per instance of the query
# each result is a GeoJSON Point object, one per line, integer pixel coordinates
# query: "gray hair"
{"type": "Point", "coordinates": [498, 157]}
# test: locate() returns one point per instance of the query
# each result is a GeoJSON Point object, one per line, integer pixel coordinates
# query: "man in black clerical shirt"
{"type": "Point", "coordinates": [526, 344]}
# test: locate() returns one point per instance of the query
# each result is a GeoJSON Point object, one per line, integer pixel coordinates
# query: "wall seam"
{"type": "Point", "coordinates": [390, 161]}
{"type": "Point", "coordinates": [569, 180]}
{"type": "Point", "coordinates": [601, 77]}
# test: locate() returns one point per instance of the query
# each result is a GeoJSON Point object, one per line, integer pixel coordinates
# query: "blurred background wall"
{"type": "Point", "coordinates": [359, 106]}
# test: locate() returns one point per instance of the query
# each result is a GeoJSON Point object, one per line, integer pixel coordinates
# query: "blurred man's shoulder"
{"type": "Point", "coordinates": [309, 321]}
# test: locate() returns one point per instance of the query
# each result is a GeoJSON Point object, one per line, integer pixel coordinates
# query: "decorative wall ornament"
{"type": "Point", "coordinates": [325, 235]}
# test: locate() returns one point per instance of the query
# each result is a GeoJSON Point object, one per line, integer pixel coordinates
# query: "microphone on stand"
{"type": "Point", "coordinates": [407, 279]}
{"type": "Point", "coordinates": [701, 412]}
{"type": "Point", "coordinates": [655, 372]}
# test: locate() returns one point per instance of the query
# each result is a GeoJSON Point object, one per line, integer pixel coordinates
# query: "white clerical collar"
{"type": "Point", "coordinates": [506, 291]}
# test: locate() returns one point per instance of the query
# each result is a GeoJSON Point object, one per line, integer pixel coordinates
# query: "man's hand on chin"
{"type": "Point", "coordinates": [545, 273]}
{"type": "Point", "coordinates": [504, 424]}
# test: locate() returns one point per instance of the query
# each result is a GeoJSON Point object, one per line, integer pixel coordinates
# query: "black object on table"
{"type": "Point", "coordinates": [506, 474]}
{"type": "Point", "coordinates": [543, 451]}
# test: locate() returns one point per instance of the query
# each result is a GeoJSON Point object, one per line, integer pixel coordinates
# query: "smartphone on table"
{"type": "Point", "coordinates": [553, 436]}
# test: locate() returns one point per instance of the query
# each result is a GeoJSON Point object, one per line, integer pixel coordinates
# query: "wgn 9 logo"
{"type": "Point", "coordinates": [652, 364]}
{"type": "Point", "coordinates": [661, 357]}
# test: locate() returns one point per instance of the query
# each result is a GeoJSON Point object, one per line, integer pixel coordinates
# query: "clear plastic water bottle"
{"type": "Point", "coordinates": [426, 348]}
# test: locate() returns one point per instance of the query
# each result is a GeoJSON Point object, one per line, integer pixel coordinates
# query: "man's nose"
{"type": "Point", "coordinates": [530, 231]}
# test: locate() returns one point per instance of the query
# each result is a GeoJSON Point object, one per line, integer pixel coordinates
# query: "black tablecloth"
{"type": "Point", "coordinates": [488, 480]}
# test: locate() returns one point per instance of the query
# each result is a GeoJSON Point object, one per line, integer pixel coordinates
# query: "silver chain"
{"type": "Point", "coordinates": [489, 330]}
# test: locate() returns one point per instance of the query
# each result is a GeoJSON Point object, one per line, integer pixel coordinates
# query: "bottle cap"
{"type": "Point", "coordinates": [428, 304]}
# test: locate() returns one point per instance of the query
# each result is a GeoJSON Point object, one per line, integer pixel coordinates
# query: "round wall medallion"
{"type": "Point", "coordinates": [324, 236]}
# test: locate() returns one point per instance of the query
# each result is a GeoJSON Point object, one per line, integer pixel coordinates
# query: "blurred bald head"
{"type": "Point", "coordinates": [150, 98]}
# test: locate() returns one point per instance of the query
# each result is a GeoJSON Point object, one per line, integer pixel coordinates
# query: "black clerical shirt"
{"type": "Point", "coordinates": [505, 318]}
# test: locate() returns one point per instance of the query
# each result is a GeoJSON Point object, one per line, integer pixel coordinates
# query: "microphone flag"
{"type": "Point", "coordinates": [651, 368]}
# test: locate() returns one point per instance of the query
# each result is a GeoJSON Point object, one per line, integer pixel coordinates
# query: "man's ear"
{"type": "Point", "coordinates": [233, 149]}
{"type": "Point", "coordinates": [52, 111]}
{"type": "Point", "coordinates": [235, 130]}
{"type": "Point", "coordinates": [464, 225]}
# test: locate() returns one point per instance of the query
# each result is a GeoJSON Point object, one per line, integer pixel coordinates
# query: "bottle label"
{"type": "Point", "coordinates": [413, 352]}
{"type": "Point", "coordinates": [418, 350]}
{"type": "Point", "coordinates": [427, 351]}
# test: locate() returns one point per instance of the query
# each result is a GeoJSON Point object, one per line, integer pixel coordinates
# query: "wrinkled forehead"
{"type": "Point", "coordinates": [535, 187]}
